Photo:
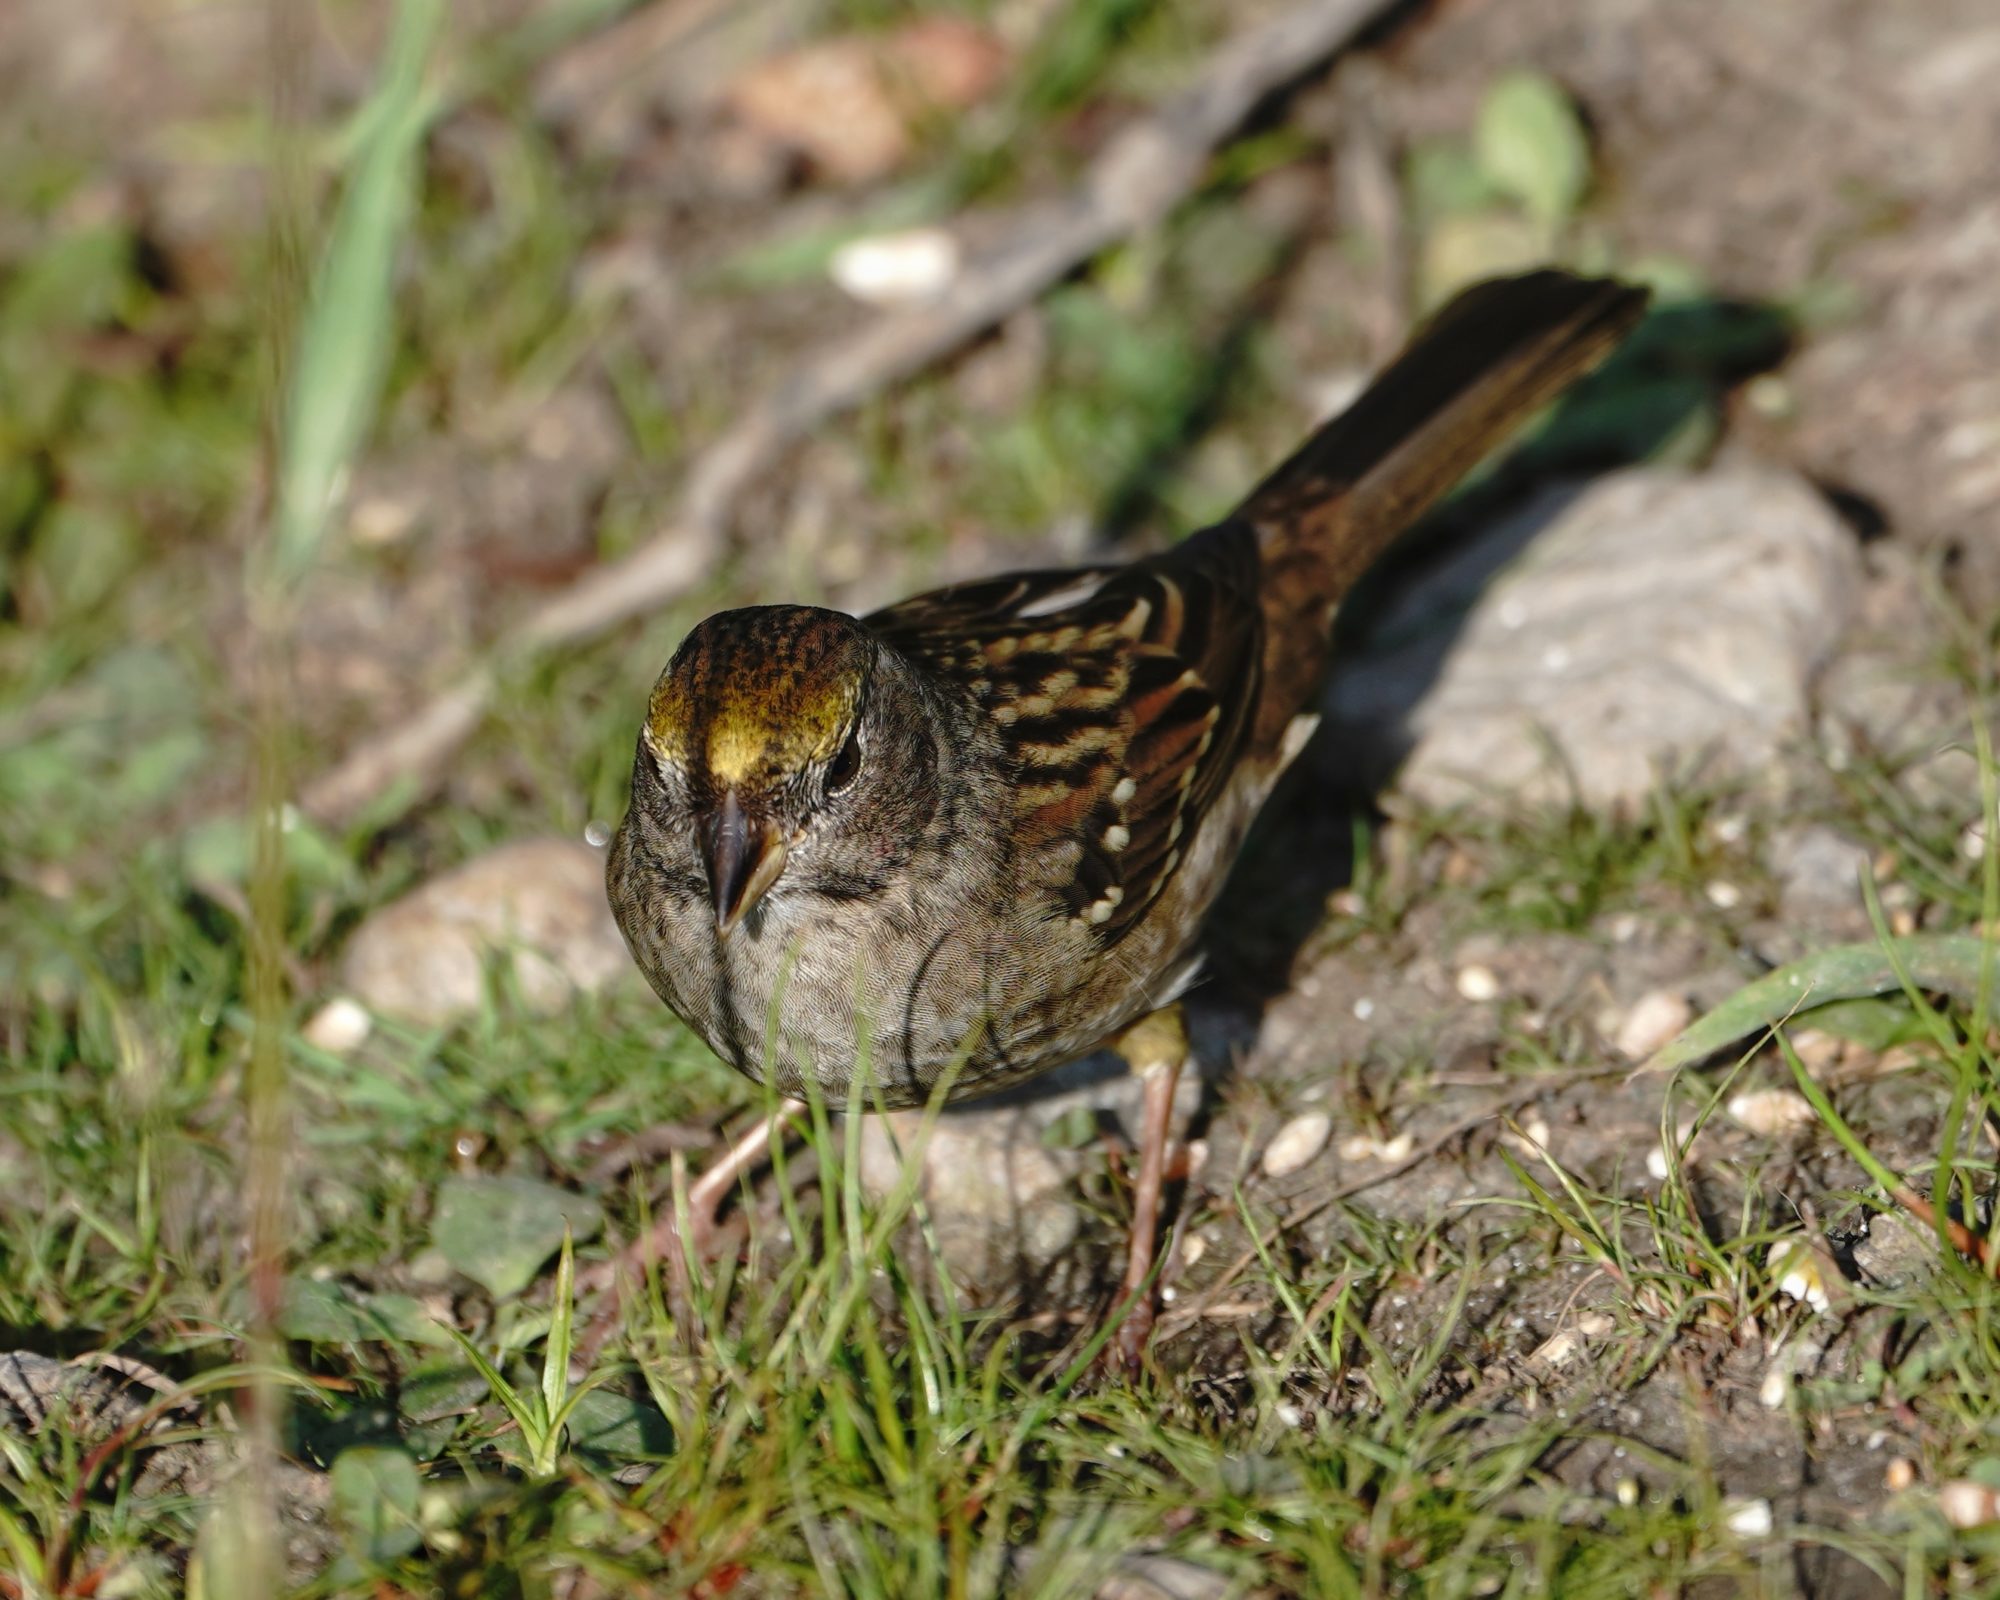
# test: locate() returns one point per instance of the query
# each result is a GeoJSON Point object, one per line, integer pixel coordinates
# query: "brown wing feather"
{"type": "Point", "coordinates": [1124, 695]}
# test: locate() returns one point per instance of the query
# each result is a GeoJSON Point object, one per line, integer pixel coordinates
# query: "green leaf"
{"type": "Point", "coordinates": [1465, 247]}
{"type": "Point", "coordinates": [1947, 963]}
{"type": "Point", "coordinates": [1443, 179]}
{"type": "Point", "coordinates": [325, 1312]}
{"type": "Point", "coordinates": [605, 1423]}
{"type": "Point", "coordinates": [218, 851]}
{"type": "Point", "coordinates": [1531, 143]}
{"type": "Point", "coordinates": [499, 1231]}
{"type": "Point", "coordinates": [375, 1490]}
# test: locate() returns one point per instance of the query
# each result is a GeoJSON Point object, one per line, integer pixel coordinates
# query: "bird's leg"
{"type": "Point", "coordinates": [1156, 1048]}
{"type": "Point", "coordinates": [705, 1196]}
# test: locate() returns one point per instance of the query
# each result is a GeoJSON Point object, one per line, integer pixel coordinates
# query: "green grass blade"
{"type": "Point", "coordinates": [344, 341]}
{"type": "Point", "coordinates": [1950, 963]}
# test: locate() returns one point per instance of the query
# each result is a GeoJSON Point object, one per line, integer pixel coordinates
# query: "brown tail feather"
{"type": "Point", "coordinates": [1471, 376]}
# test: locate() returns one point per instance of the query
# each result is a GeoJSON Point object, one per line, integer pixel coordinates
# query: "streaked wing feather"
{"type": "Point", "coordinates": [1125, 694]}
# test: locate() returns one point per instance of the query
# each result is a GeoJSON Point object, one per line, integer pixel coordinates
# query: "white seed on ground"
{"type": "Point", "coordinates": [1366, 1147]}
{"type": "Point", "coordinates": [1899, 1475]}
{"type": "Point", "coordinates": [1966, 1504]}
{"type": "Point", "coordinates": [1478, 983]}
{"type": "Point", "coordinates": [1745, 1517]}
{"type": "Point", "coordinates": [1724, 895]}
{"type": "Point", "coordinates": [1193, 1248]}
{"type": "Point", "coordinates": [1655, 1018]}
{"type": "Point", "coordinates": [1296, 1143]}
{"type": "Point", "coordinates": [1533, 1137]}
{"type": "Point", "coordinates": [1659, 1162]}
{"type": "Point", "coordinates": [896, 268]}
{"type": "Point", "coordinates": [379, 520]}
{"type": "Point", "coordinates": [1818, 1052]}
{"type": "Point", "coordinates": [1793, 1263]}
{"type": "Point", "coordinates": [1770, 1111]}
{"type": "Point", "coordinates": [1566, 1344]}
{"type": "Point", "coordinates": [1364, 1008]}
{"type": "Point", "coordinates": [339, 1026]}
{"type": "Point", "coordinates": [1197, 1157]}
{"type": "Point", "coordinates": [1776, 1388]}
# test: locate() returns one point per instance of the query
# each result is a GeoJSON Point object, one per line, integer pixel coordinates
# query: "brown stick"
{"type": "Point", "coordinates": [1144, 172]}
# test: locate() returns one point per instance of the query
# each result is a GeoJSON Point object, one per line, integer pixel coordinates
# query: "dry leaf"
{"type": "Point", "coordinates": [853, 104]}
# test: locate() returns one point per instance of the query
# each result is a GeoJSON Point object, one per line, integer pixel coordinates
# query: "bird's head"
{"type": "Point", "coordinates": [758, 740]}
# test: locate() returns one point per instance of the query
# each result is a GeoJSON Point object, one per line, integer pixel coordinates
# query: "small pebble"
{"type": "Point", "coordinates": [1296, 1143]}
{"type": "Point", "coordinates": [1746, 1518]}
{"type": "Point", "coordinates": [1771, 1111]}
{"type": "Point", "coordinates": [1366, 1147]}
{"type": "Point", "coordinates": [1530, 1136]}
{"type": "Point", "coordinates": [1899, 1475]}
{"type": "Point", "coordinates": [1193, 1248]}
{"type": "Point", "coordinates": [1776, 1388]}
{"type": "Point", "coordinates": [1966, 1504]}
{"type": "Point", "coordinates": [1653, 1020]}
{"type": "Point", "coordinates": [1724, 895]}
{"type": "Point", "coordinates": [1628, 1492]}
{"type": "Point", "coordinates": [338, 1027]}
{"type": "Point", "coordinates": [896, 268]}
{"type": "Point", "coordinates": [1972, 842]}
{"type": "Point", "coordinates": [1478, 983]}
{"type": "Point", "coordinates": [1364, 1008]}
{"type": "Point", "coordinates": [1659, 1163]}
{"type": "Point", "coordinates": [379, 520]}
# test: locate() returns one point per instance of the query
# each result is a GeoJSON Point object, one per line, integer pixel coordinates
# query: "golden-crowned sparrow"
{"type": "Point", "coordinates": [978, 831]}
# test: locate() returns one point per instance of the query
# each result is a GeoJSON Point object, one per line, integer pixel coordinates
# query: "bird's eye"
{"type": "Point", "coordinates": [846, 766]}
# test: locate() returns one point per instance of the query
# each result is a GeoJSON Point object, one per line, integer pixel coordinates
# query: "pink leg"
{"type": "Point", "coordinates": [704, 1203]}
{"type": "Point", "coordinates": [1156, 1048]}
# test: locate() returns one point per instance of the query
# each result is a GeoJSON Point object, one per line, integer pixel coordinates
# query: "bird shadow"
{"type": "Point", "coordinates": [1661, 398]}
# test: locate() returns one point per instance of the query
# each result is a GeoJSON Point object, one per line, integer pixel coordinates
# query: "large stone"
{"type": "Point", "coordinates": [998, 1177]}
{"type": "Point", "coordinates": [1601, 638]}
{"type": "Point", "coordinates": [535, 907]}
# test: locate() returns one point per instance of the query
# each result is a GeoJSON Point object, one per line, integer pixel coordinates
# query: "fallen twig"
{"type": "Point", "coordinates": [1132, 185]}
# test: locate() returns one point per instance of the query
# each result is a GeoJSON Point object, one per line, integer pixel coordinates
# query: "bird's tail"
{"type": "Point", "coordinates": [1467, 380]}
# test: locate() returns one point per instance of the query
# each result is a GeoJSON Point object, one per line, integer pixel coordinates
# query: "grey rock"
{"type": "Point", "coordinates": [1646, 623]}
{"type": "Point", "coordinates": [537, 906]}
{"type": "Point", "coordinates": [1879, 707]}
{"type": "Point", "coordinates": [1001, 1197]}
{"type": "Point", "coordinates": [1897, 1251]}
{"type": "Point", "coordinates": [1819, 876]}
{"type": "Point", "coordinates": [1143, 1576]}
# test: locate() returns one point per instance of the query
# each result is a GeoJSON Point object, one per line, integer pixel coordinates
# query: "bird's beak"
{"type": "Point", "coordinates": [744, 859]}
